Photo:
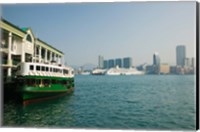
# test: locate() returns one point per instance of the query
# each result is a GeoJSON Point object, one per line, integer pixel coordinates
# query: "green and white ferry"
{"type": "Point", "coordinates": [31, 68]}
{"type": "Point", "coordinates": [37, 81]}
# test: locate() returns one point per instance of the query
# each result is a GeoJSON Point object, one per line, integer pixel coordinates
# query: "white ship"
{"type": "Point", "coordinates": [124, 71]}
{"type": "Point", "coordinates": [98, 72]}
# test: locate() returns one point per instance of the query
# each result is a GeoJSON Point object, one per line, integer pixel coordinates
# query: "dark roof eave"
{"type": "Point", "coordinates": [12, 25]}
{"type": "Point", "coordinates": [26, 33]}
{"type": "Point", "coordinates": [49, 45]}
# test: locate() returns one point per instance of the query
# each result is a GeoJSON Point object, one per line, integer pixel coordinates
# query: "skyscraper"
{"type": "Point", "coordinates": [118, 62]}
{"type": "Point", "coordinates": [111, 63]}
{"type": "Point", "coordinates": [100, 62]}
{"type": "Point", "coordinates": [156, 59]}
{"type": "Point", "coordinates": [156, 63]}
{"type": "Point", "coordinates": [127, 62]}
{"type": "Point", "coordinates": [105, 64]}
{"type": "Point", "coordinates": [180, 55]}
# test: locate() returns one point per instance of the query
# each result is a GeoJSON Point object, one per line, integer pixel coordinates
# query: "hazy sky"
{"type": "Point", "coordinates": [114, 30]}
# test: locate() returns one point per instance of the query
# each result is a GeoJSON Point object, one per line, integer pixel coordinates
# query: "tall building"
{"type": "Point", "coordinates": [118, 62]}
{"type": "Point", "coordinates": [180, 55]}
{"type": "Point", "coordinates": [156, 59]}
{"type": "Point", "coordinates": [111, 63]}
{"type": "Point", "coordinates": [156, 63]}
{"type": "Point", "coordinates": [100, 62]}
{"type": "Point", "coordinates": [105, 64]}
{"type": "Point", "coordinates": [127, 62]}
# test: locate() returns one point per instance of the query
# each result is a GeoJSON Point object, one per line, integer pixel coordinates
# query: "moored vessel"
{"type": "Point", "coordinates": [37, 81]}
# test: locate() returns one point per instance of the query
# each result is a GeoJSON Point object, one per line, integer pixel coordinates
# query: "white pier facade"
{"type": "Point", "coordinates": [20, 45]}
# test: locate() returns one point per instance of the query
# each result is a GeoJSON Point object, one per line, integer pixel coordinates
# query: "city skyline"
{"type": "Point", "coordinates": [85, 30]}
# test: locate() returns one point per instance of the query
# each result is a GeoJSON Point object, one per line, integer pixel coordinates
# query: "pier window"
{"type": "Point", "coordinates": [31, 67]}
{"type": "Point", "coordinates": [28, 38]}
{"type": "Point", "coordinates": [38, 68]}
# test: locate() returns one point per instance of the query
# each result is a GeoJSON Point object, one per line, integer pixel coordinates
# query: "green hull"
{"type": "Point", "coordinates": [36, 92]}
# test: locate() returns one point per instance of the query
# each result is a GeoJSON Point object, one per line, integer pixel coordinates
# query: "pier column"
{"type": "Point", "coordinates": [9, 61]}
{"type": "Point", "coordinates": [22, 52]}
{"type": "Point", "coordinates": [35, 51]}
{"type": "Point", "coordinates": [40, 53]}
{"type": "Point", "coordinates": [63, 60]}
{"type": "Point", "coordinates": [58, 59]}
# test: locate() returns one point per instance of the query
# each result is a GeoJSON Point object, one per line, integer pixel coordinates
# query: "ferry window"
{"type": "Point", "coordinates": [54, 81]}
{"type": "Point", "coordinates": [31, 67]}
{"type": "Point", "coordinates": [30, 82]}
{"type": "Point", "coordinates": [54, 70]}
{"type": "Point", "coordinates": [50, 69]}
{"type": "Point", "coordinates": [43, 68]}
{"type": "Point", "coordinates": [47, 68]}
{"type": "Point", "coordinates": [46, 82]}
{"type": "Point", "coordinates": [64, 82]}
{"type": "Point", "coordinates": [65, 71]}
{"type": "Point", "coordinates": [38, 68]}
{"type": "Point", "coordinates": [37, 82]}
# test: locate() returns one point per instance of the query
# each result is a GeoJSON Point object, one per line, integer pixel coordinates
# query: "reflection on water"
{"type": "Point", "coordinates": [116, 102]}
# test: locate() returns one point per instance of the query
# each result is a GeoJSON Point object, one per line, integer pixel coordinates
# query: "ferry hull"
{"type": "Point", "coordinates": [33, 97]}
{"type": "Point", "coordinates": [32, 91]}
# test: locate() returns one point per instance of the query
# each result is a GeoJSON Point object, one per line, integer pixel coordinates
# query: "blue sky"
{"type": "Point", "coordinates": [114, 30]}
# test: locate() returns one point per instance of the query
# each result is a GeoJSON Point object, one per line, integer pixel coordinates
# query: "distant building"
{"type": "Point", "coordinates": [150, 69]}
{"type": "Point", "coordinates": [156, 63]}
{"type": "Point", "coordinates": [118, 62]}
{"type": "Point", "coordinates": [173, 69]}
{"type": "Point", "coordinates": [111, 63]}
{"type": "Point", "coordinates": [193, 62]}
{"type": "Point", "coordinates": [180, 70]}
{"type": "Point", "coordinates": [105, 64]}
{"type": "Point", "coordinates": [100, 62]}
{"type": "Point", "coordinates": [164, 68]}
{"type": "Point", "coordinates": [188, 62]}
{"type": "Point", "coordinates": [156, 59]}
{"type": "Point", "coordinates": [127, 62]}
{"type": "Point", "coordinates": [180, 55]}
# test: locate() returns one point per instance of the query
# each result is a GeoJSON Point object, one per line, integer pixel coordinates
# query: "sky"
{"type": "Point", "coordinates": [83, 31]}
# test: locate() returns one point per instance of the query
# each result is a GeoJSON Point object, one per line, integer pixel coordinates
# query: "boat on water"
{"type": "Point", "coordinates": [98, 72]}
{"type": "Point", "coordinates": [124, 71]}
{"type": "Point", "coordinates": [37, 81]}
{"type": "Point", "coordinates": [32, 69]}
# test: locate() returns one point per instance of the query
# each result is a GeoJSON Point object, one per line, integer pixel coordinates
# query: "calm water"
{"type": "Point", "coordinates": [114, 102]}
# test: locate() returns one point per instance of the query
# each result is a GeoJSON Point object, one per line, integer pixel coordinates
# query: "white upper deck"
{"type": "Point", "coordinates": [41, 69]}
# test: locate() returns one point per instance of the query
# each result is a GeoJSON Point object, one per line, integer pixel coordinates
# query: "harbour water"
{"type": "Point", "coordinates": [147, 102]}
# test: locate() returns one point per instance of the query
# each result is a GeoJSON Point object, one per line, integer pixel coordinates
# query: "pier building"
{"type": "Point", "coordinates": [20, 45]}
